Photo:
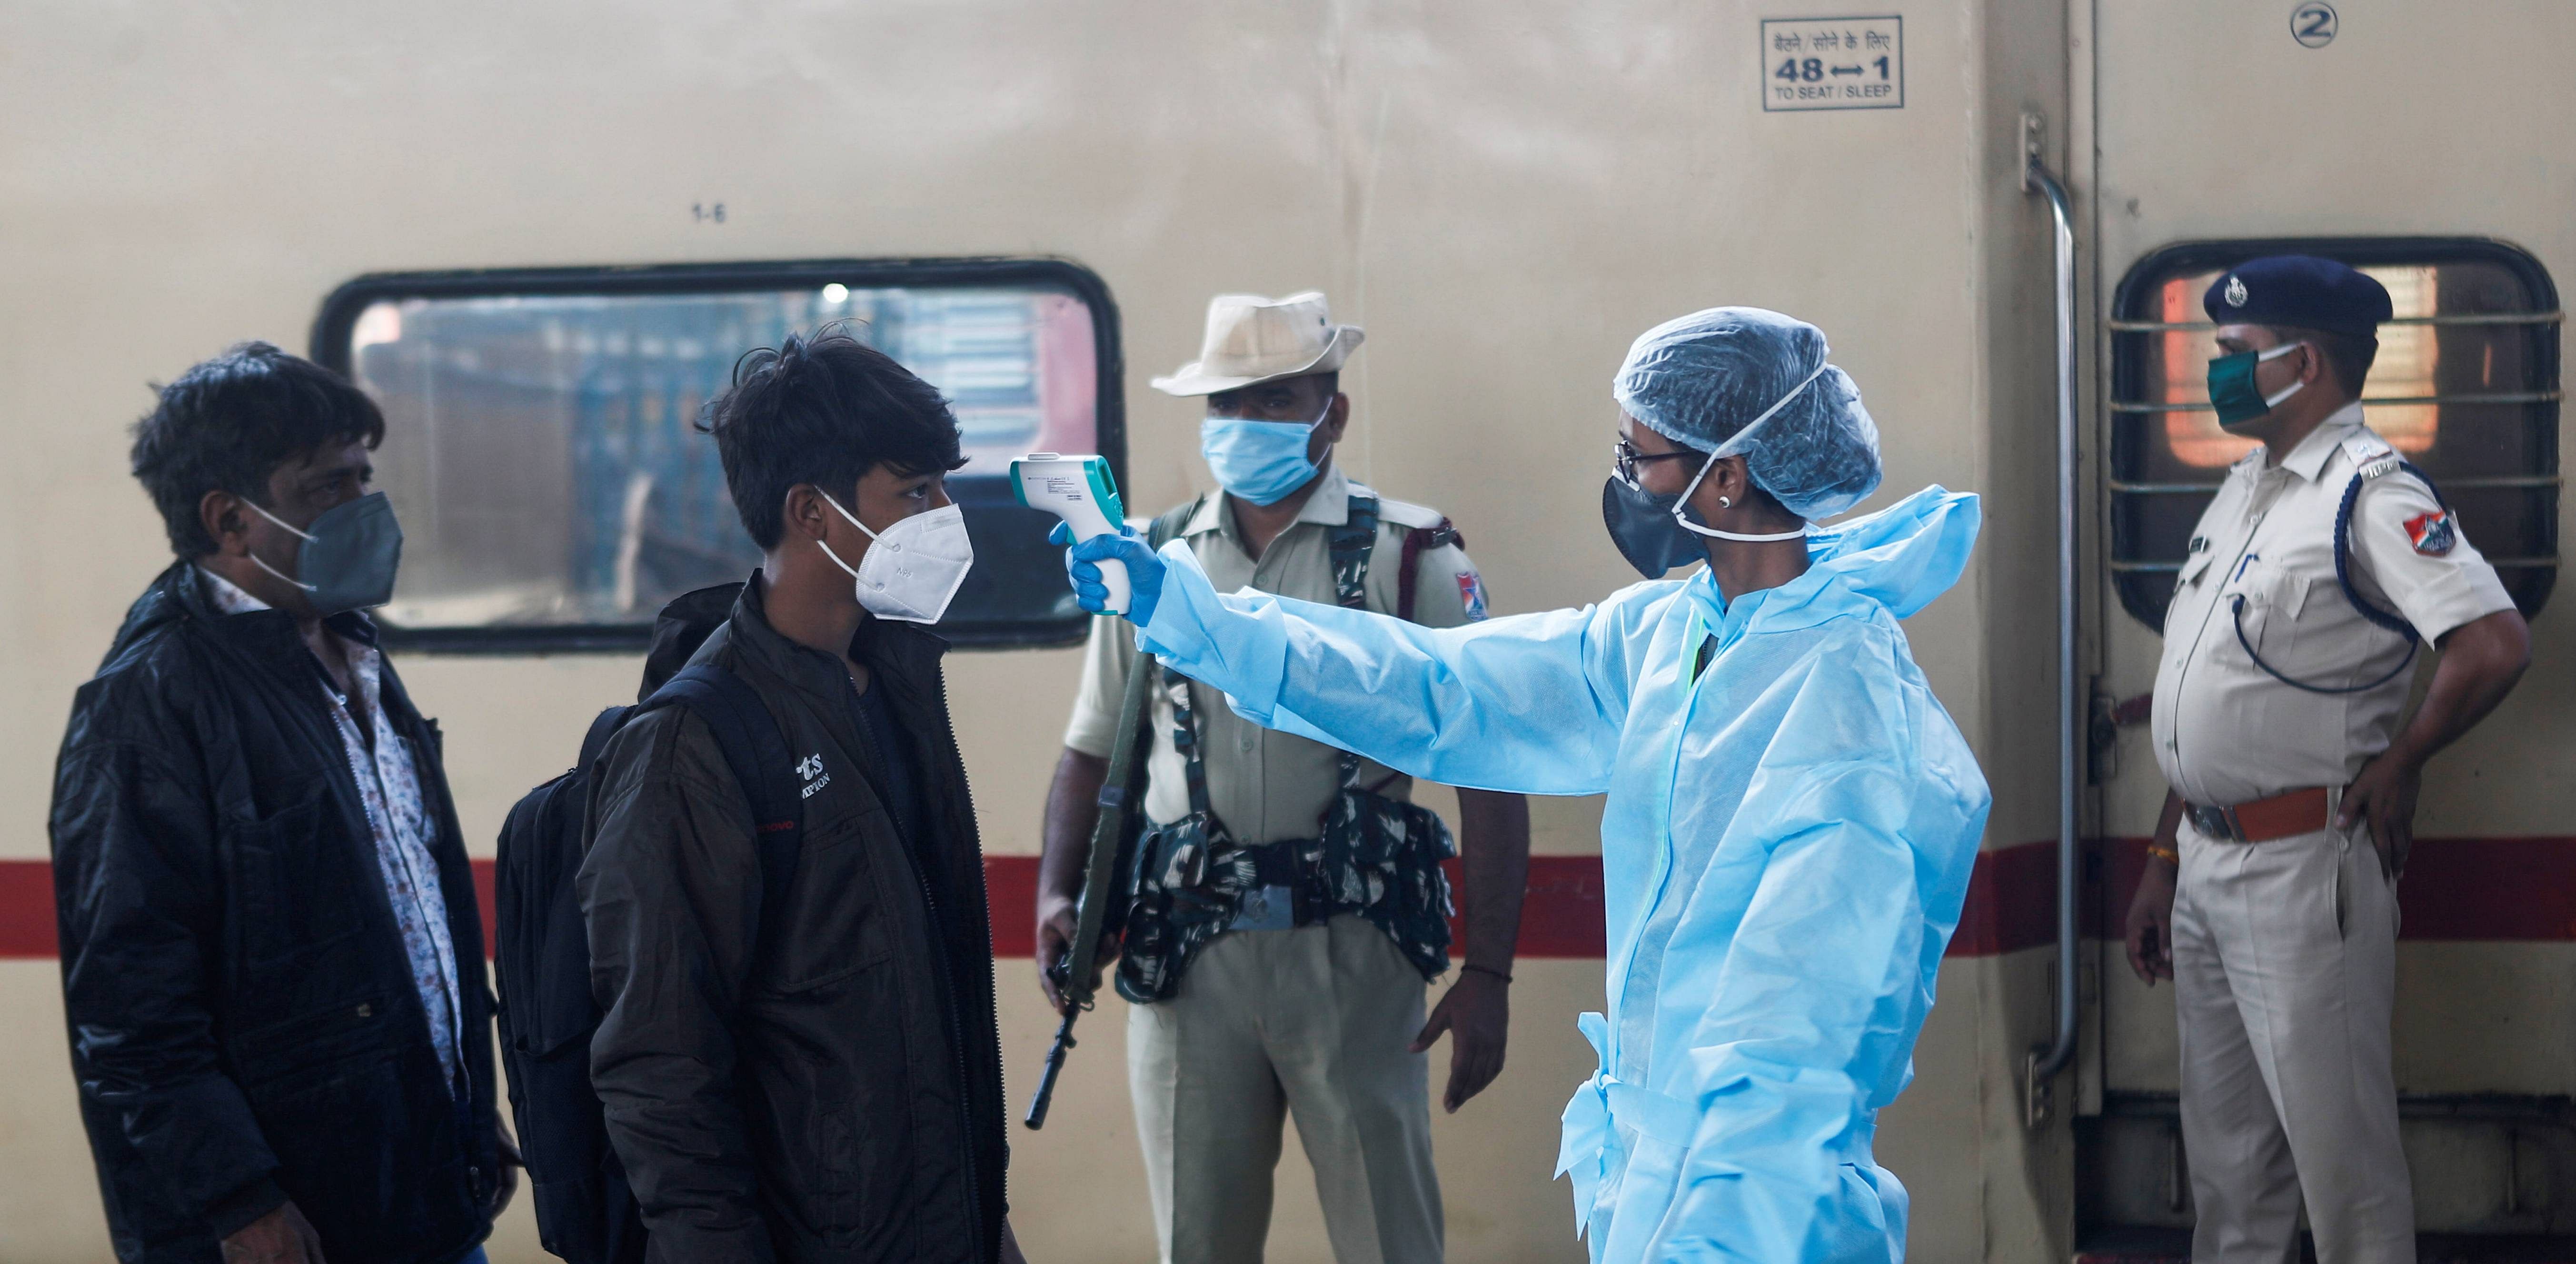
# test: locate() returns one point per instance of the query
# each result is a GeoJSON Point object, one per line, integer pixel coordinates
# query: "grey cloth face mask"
{"type": "Point", "coordinates": [349, 556]}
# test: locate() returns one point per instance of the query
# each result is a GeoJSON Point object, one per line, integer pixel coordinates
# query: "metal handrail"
{"type": "Point", "coordinates": [2047, 1063]}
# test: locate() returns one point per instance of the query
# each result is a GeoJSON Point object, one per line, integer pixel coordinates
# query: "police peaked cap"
{"type": "Point", "coordinates": [2300, 290]}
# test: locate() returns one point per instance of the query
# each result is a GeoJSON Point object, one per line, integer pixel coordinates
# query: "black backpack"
{"type": "Point", "coordinates": [585, 1211]}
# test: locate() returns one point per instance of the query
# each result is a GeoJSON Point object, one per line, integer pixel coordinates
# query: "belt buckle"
{"type": "Point", "coordinates": [1268, 907]}
{"type": "Point", "coordinates": [2217, 823]}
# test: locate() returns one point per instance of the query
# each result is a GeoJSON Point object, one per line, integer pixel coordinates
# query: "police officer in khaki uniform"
{"type": "Point", "coordinates": [2312, 583]}
{"type": "Point", "coordinates": [1290, 1008]}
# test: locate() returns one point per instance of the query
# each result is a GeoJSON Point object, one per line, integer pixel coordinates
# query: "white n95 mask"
{"type": "Point", "coordinates": [913, 569]}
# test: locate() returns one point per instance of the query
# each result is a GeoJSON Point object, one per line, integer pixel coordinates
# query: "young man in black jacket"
{"type": "Point", "coordinates": [827, 1087]}
{"type": "Point", "coordinates": [272, 961]}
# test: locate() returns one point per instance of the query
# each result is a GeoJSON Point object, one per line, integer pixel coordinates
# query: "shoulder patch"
{"type": "Point", "coordinates": [2433, 534]}
{"type": "Point", "coordinates": [1471, 595]}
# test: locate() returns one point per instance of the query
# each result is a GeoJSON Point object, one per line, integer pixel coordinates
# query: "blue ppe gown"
{"type": "Point", "coordinates": [1784, 851]}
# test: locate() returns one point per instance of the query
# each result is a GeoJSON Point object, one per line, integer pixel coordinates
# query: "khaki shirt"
{"type": "Point", "coordinates": [1269, 786]}
{"type": "Point", "coordinates": [2228, 732]}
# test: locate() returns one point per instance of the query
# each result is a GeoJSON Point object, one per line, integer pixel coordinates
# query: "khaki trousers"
{"type": "Point", "coordinates": [1313, 1021]}
{"type": "Point", "coordinates": [2285, 975]}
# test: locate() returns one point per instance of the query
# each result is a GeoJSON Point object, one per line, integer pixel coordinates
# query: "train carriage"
{"type": "Point", "coordinates": [540, 232]}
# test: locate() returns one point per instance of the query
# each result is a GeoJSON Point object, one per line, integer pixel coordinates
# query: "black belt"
{"type": "Point", "coordinates": [1281, 864]}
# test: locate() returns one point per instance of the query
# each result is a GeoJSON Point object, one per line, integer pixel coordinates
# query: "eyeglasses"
{"type": "Point", "coordinates": [1625, 458]}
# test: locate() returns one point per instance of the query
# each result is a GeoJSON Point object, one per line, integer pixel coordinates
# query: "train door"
{"type": "Point", "coordinates": [2427, 144]}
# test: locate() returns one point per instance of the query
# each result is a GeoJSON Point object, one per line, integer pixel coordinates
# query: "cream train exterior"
{"type": "Point", "coordinates": [1504, 194]}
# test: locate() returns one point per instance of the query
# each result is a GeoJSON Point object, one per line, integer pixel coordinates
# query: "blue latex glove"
{"type": "Point", "coordinates": [1144, 570]}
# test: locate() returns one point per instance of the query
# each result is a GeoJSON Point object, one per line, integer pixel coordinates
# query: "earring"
{"type": "Point", "coordinates": [1724, 503]}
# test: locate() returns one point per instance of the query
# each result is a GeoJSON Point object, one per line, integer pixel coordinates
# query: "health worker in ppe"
{"type": "Point", "coordinates": [1791, 815]}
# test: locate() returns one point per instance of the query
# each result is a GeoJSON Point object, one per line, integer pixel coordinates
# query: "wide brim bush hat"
{"type": "Point", "coordinates": [1251, 339]}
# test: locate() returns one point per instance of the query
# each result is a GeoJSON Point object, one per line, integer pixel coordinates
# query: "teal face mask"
{"type": "Point", "coordinates": [349, 556]}
{"type": "Point", "coordinates": [2232, 389]}
{"type": "Point", "coordinates": [1260, 461]}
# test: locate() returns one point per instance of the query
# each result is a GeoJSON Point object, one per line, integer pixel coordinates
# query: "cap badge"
{"type": "Point", "coordinates": [2236, 295]}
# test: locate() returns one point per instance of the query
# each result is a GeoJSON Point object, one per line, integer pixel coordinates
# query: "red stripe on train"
{"type": "Point", "coordinates": [1560, 916]}
{"type": "Point", "coordinates": [2458, 889]}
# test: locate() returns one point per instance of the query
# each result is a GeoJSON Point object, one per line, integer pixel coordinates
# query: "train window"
{"type": "Point", "coordinates": [2466, 385]}
{"type": "Point", "coordinates": [554, 493]}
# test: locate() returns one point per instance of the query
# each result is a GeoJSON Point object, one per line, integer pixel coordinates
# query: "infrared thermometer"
{"type": "Point", "coordinates": [1079, 490]}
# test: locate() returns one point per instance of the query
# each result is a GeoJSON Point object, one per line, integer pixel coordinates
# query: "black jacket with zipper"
{"type": "Point", "coordinates": [244, 1023]}
{"type": "Point", "coordinates": [828, 1088]}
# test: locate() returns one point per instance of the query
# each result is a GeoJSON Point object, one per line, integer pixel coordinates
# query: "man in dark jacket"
{"type": "Point", "coordinates": [272, 962]}
{"type": "Point", "coordinates": [827, 1087]}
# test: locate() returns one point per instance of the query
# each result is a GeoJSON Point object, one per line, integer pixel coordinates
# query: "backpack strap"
{"type": "Point", "coordinates": [1408, 573]}
{"type": "Point", "coordinates": [756, 751]}
{"type": "Point", "coordinates": [1166, 528]}
{"type": "Point", "coordinates": [595, 742]}
{"type": "Point", "coordinates": [1185, 736]}
{"type": "Point", "coordinates": [1124, 793]}
{"type": "Point", "coordinates": [1137, 723]}
{"type": "Point", "coordinates": [1352, 544]}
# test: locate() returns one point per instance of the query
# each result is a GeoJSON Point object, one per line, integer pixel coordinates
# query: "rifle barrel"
{"type": "Point", "coordinates": [1054, 1064]}
{"type": "Point", "coordinates": [1073, 970]}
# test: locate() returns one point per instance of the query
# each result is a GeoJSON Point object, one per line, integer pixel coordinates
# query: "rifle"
{"type": "Point", "coordinates": [1111, 835]}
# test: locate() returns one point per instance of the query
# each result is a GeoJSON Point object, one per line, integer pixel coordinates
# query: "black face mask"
{"type": "Point", "coordinates": [1641, 524]}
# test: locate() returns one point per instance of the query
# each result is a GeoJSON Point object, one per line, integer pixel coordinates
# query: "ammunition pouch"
{"type": "Point", "coordinates": [1375, 857]}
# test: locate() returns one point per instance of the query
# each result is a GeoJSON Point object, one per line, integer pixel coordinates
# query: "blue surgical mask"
{"type": "Point", "coordinates": [2232, 388]}
{"type": "Point", "coordinates": [1260, 461]}
{"type": "Point", "coordinates": [349, 556]}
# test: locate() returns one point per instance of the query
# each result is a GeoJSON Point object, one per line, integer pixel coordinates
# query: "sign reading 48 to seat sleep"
{"type": "Point", "coordinates": [1833, 64]}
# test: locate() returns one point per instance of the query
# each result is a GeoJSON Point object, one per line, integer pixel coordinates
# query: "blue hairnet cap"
{"type": "Point", "coordinates": [2300, 290]}
{"type": "Point", "coordinates": [1741, 381]}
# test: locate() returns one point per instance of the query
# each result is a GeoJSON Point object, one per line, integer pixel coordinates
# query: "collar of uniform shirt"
{"type": "Point", "coordinates": [2308, 460]}
{"type": "Point", "coordinates": [1330, 505]}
